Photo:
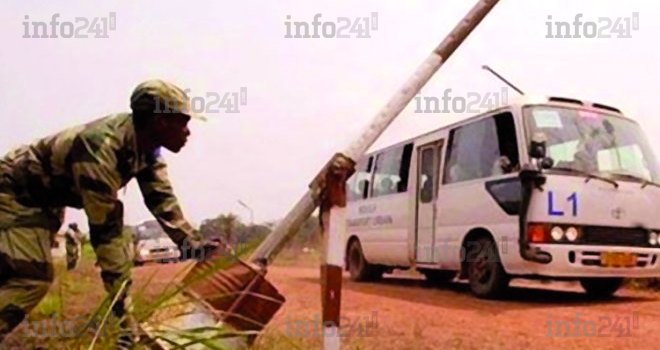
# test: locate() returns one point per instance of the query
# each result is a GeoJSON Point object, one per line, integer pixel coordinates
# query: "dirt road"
{"type": "Point", "coordinates": [409, 314]}
{"type": "Point", "coordinates": [404, 312]}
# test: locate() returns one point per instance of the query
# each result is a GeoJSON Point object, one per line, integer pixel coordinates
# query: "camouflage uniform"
{"type": "Point", "coordinates": [81, 167]}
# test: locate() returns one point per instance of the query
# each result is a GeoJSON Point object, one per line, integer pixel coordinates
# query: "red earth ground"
{"type": "Point", "coordinates": [407, 313]}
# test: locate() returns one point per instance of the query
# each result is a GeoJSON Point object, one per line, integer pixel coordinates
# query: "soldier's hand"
{"type": "Point", "coordinates": [198, 250]}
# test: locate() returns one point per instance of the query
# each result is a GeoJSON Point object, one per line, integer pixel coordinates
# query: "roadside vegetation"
{"type": "Point", "coordinates": [73, 312]}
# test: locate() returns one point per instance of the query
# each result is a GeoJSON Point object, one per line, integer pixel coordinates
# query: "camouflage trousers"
{"type": "Point", "coordinates": [26, 268]}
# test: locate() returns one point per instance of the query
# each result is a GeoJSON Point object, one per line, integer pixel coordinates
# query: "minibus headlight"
{"type": "Point", "coordinates": [653, 238]}
{"type": "Point", "coordinates": [557, 233]}
{"type": "Point", "coordinates": [572, 234]}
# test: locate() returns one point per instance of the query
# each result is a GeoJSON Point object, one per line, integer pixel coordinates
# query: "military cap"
{"type": "Point", "coordinates": [159, 96]}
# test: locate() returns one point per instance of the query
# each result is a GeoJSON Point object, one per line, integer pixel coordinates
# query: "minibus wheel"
{"type": "Point", "coordinates": [486, 274]}
{"type": "Point", "coordinates": [360, 270]}
{"type": "Point", "coordinates": [601, 287]}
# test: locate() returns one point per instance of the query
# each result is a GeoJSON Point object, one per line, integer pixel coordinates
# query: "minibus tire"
{"type": "Point", "coordinates": [601, 287]}
{"type": "Point", "coordinates": [360, 270]}
{"type": "Point", "coordinates": [497, 283]}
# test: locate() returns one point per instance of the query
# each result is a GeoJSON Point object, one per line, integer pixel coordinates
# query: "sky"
{"type": "Point", "coordinates": [307, 98]}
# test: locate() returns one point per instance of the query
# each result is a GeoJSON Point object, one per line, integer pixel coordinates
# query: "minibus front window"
{"type": "Point", "coordinates": [592, 143]}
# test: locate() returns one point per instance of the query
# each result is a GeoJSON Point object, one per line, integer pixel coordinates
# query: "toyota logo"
{"type": "Point", "coordinates": [618, 213]}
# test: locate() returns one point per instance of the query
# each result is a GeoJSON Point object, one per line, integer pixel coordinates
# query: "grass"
{"type": "Point", "coordinates": [70, 292]}
{"type": "Point", "coordinates": [49, 306]}
{"type": "Point", "coordinates": [87, 252]}
{"type": "Point", "coordinates": [147, 302]}
{"type": "Point", "coordinates": [78, 296]}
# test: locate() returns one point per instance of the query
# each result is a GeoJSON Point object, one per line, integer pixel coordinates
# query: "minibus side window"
{"type": "Point", "coordinates": [481, 149]}
{"type": "Point", "coordinates": [392, 170]}
{"type": "Point", "coordinates": [427, 175]}
{"type": "Point", "coordinates": [358, 184]}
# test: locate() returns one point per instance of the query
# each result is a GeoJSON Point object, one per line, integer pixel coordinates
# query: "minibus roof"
{"type": "Point", "coordinates": [518, 103]}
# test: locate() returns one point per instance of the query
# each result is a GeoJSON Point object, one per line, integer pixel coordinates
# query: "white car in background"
{"type": "Point", "coordinates": [161, 250]}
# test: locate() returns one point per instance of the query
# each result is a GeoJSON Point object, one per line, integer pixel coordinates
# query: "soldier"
{"type": "Point", "coordinates": [84, 167]}
{"type": "Point", "coordinates": [72, 246]}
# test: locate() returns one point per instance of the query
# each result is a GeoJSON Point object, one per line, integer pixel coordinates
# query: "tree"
{"type": "Point", "coordinates": [210, 228]}
{"type": "Point", "coordinates": [224, 225]}
{"type": "Point", "coordinates": [228, 225]}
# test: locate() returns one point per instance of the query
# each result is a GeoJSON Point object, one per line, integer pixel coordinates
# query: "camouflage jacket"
{"type": "Point", "coordinates": [85, 167]}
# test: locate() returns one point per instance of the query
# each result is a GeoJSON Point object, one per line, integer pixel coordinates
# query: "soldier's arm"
{"type": "Point", "coordinates": [159, 197]}
{"type": "Point", "coordinates": [96, 177]}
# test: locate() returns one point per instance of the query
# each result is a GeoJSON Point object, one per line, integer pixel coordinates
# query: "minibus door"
{"type": "Point", "coordinates": [428, 165]}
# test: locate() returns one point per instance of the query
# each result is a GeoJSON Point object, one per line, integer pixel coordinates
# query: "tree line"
{"type": "Point", "coordinates": [230, 228]}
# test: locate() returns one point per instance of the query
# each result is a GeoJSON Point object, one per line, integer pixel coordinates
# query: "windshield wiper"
{"type": "Point", "coordinates": [644, 181]}
{"type": "Point", "coordinates": [588, 175]}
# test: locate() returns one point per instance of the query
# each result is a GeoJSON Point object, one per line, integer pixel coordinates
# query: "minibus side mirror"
{"type": "Point", "coordinates": [547, 163]}
{"type": "Point", "coordinates": [537, 146]}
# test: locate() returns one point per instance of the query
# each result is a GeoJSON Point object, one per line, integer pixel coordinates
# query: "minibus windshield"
{"type": "Point", "coordinates": [593, 142]}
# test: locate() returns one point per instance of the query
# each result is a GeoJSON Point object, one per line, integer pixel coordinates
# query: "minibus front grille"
{"type": "Point", "coordinates": [635, 237]}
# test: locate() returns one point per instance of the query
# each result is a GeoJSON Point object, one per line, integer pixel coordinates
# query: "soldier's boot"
{"type": "Point", "coordinates": [128, 332]}
{"type": "Point", "coordinates": [127, 336]}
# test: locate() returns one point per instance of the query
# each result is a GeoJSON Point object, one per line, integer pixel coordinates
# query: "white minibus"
{"type": "Point", "coordinates": [551, 188]}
